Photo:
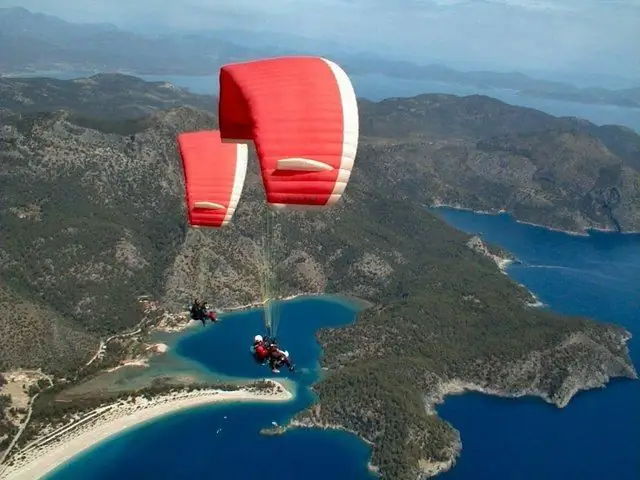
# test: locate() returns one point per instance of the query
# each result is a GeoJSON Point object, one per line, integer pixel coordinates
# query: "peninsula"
{"type": "Point", "coordinates": [93, 192]}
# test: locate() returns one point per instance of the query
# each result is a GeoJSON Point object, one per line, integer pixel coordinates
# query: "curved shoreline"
{"type": "Point", "coordinates": [348, 301]}
{"type": "Point", "coordinates": [428, 468]}
{"type": "Point", "coordinates": [47, 453]}
{"type": "Point", "coordinates": [586, 232]}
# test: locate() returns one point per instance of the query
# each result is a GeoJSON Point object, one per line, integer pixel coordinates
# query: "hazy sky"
{"type": "Point", "coordinates": [599, 36]}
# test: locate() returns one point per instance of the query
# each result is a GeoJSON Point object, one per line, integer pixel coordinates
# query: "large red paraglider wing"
{"type": "Point", "coordinates": [302, 115]}
{"type": "Point", "coordinates": [214, 175]}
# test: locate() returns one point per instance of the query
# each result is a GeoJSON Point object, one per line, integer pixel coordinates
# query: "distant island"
{"type": "Point", "coordinates": [36, 43]}
{"type": "Point", "coordinates": [443, 316]}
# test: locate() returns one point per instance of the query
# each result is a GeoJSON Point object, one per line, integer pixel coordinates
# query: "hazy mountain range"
{"type": "Point", "coordinates": [36, 42]}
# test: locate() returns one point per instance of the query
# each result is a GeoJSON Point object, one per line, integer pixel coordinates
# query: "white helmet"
{"type": "Point", "coordinates": [257, 338]}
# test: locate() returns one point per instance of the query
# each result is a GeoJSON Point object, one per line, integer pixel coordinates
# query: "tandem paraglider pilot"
{"type": "Point", "coordinates": [266, 350]}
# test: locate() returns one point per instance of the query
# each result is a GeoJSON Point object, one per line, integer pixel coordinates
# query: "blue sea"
{"type": "Point", "coordinates": [223, 441]}
{"type": "Point", "coordinates": [377, 87]}
{"type": "Point", "coordinates": [596, 436]}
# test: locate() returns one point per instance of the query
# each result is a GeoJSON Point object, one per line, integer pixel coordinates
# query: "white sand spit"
{"type": "Point", "coordinates": [46, 453]}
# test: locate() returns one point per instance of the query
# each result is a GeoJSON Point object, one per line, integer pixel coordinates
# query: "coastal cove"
{"type": "Point", "coordinates": [597, 435]}
{"type": "Point", "coordinates": [217, 438]}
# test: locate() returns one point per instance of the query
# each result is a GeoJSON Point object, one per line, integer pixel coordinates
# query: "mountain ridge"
{"type": "Point", "coordinates": [36, 42]}
{"type": "Point", "coordinates": [438, 133]}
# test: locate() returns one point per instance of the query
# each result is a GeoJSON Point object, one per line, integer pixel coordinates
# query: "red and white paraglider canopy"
{"type": "Point", "coordinates": [214, 175]}
{"type": "Point", "coordinates": [301, 114]}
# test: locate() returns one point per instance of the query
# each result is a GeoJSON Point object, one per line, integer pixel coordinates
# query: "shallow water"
{"type": "Point", "coordinates": [224, 440]}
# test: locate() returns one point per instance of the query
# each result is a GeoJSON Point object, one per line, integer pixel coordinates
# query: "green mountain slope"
{"type": "Point", "coordinates": [91, 217]}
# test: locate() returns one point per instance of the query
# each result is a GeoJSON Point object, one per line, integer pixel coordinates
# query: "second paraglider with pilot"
{"type": "Point", "coordinates": [200, 311]}
{"type": "Point", "coordinates": [266, 350]}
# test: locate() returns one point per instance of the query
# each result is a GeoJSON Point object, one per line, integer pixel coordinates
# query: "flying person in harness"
{"type": "Point", "coordinates": [200, 311]}
{"type": "Point", "coordinates": [278, 358]}
{"type": "Point", "coordinates": [267, 350]}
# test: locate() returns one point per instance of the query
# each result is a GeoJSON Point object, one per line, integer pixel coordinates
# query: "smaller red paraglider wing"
{"type": "Point", "coordinates": [214, 175]}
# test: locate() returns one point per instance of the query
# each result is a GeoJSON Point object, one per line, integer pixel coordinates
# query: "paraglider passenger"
{"type": "Point", "coordinates": [266, 350]}
{"type": "Point", "coordinates": [210, 314]}
{"type": "Point", "coordinates": [277, 358]}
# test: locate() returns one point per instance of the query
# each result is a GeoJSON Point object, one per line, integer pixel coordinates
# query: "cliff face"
{"type": "Point", "coordinates": [582, 361]}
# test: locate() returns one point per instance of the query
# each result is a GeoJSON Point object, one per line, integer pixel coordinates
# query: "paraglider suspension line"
{"type": "Point", "coordinates": [269, 284]}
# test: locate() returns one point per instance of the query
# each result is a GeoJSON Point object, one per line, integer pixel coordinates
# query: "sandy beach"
{"type": "Point", "coordinates": [56, 447]}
